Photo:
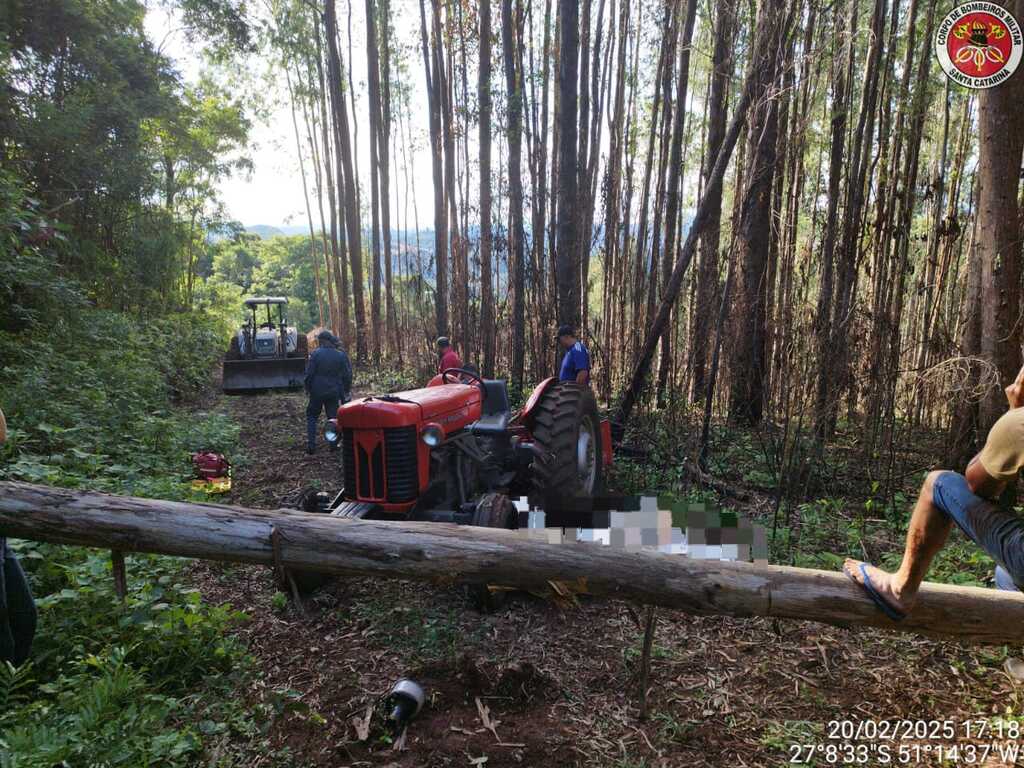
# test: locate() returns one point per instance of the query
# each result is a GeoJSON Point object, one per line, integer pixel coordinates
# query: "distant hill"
{"type": "Point", "coordinates": [264, 232]}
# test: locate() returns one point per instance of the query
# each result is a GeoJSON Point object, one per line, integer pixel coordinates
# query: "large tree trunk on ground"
{"type": "Point", "coordinates": [444, 553]}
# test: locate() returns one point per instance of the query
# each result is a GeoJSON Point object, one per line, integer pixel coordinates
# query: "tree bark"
{"type": "Point", "coordinates": [675, 162]}
{"type": "Point", "coordinates": [432, 72]}
{"type": "Point", "coordinates": [749, 353]}
{"type": "Point", "coordinates": [517, 251]}
{"type": "Point", "coordinates": [993, 309]}
{"type": "Point", "coordinates": [752, 89]}
{"type": "Point", "coordinates": [566, 266]}
{"type": "Point", "coordinates": [444, 553]}
{"type": "Point", "coordinates": [373, 76]}
{"type": "Point", "coordinates": [707, 277]}
{"type": "Point", "coordinates": [484, 97]}
{"type": "Point", "coordinates": [350, 181]}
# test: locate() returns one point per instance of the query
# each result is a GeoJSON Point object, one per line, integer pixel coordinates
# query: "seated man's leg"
{"type": "Point", "coordinates": [999, 532]}
{"type": "Point", "coordinates": [927, 533]}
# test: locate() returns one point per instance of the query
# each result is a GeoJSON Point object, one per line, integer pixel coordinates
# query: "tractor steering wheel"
{"type": "Point", "coordinates": [462, 372]}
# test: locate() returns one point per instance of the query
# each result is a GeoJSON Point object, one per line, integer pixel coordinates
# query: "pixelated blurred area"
{"type": "Point", "coordinates": [637, 523]}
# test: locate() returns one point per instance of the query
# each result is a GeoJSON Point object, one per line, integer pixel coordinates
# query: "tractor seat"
{"type": "Point", "coordinates": [494, 411]}
{"type": "Point", "coordinates": [494, 425]}
{"type": "Point", "coordinates": [495, 397]}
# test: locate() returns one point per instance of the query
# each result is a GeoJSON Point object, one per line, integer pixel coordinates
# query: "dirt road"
{"type": "Point", "coordinates": [540, 685]}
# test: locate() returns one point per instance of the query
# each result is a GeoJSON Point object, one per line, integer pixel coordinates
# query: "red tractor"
{"type": "Point", "coordinates": [454, 451]}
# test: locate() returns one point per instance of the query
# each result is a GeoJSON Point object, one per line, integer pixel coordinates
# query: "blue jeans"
{"type": "Point", "coordinates": [999, 533]}
{"type": "Point", "coordinates": [317, 404]}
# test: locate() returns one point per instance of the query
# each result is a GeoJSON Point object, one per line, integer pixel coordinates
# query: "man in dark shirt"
{"type": "Point", "coordinates": [17, 608]}
{"type": "Point", "coordinates": [447, 356]}
{"type": "Point", "coordinates": [576, 363]}
{"type": "Point", "coordinates": [328, 381]}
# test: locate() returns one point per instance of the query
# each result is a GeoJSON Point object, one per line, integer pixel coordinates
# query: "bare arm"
{"type": "Point", "coordinates": [583, 377]}
{"type": "Point", "coordinates": [981, 482]}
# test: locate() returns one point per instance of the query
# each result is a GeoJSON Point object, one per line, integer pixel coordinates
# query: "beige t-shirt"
{"type": "Point", "coordinates": [1003, 454]}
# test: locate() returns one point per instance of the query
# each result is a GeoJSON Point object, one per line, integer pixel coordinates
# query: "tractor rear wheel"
{"type": "Point", "coordinates": [493, 510]}
{"type": "Point", "coordinates": [567, 429]}
{"type": "Point", "coordinates": [234, 352]}
{"type": "Point", "coordinates": [301, 346]}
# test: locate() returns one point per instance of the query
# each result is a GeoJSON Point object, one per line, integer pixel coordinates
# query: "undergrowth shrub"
{"type": "Point", "coordinates": [92, 404]}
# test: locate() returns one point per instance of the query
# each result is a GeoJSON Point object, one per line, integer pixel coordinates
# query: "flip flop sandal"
{"type": "Point", "coordinates": [876, 596]}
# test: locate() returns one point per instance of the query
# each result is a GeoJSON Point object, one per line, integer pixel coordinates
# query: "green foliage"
{"type": "Point", "coordinates": [32, 289]}
{"type": "Point", "coordinates": [152, 680]}
{"type": "Point", "coordinates": [117, 153]}
{"type": "Point", "coordinates": [89, 405]}
{"type": "Point", "coordinates": [145, 682]}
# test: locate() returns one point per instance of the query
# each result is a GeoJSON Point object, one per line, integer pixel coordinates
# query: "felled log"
{"type": "Point", "coordinates": [445, 554]}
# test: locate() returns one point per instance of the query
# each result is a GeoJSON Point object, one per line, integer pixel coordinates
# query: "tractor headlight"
{"type": "Point", "coordinates": [331, 431]}
{"type": "Point", "coordinates": [432, 435]}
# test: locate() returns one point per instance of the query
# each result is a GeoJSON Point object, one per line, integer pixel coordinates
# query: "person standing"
{"type": "Point", "coordinates": [17, 608]}
{"type": "Point", "coordinates": [447, 356]}
{"type": "Point", "coordinates": [328, 382]}
{"type": "Point", "coordinates": [576, 362]}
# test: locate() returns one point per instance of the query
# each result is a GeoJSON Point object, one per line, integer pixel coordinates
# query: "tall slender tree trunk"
{"type": "Point", "coordinates": [764, 57]}
{"type": "Point", "coordinates": [707, 278]}
{"type": "Point", "coordinates": [823, 318]}
{"type": "Point", "coordinates": [351, 183]}
{"type": "Point", "coordinates": [675, 163]}
{"type": "Point", "coordinates": [484, 97]}
{"type": "Point", "coordinates": [432, 71]}
{"type": "Point", "coordinates": [305, 194]}
{"type": "Point", "coordinates": [373, 76]}
{"type": "Point", "coordinates": [993, 308]}
{"type": "Point", "coordinates": [749, 362]}
{"type": "Point", "coordinates": [517, 254]}
{"type": "Point", "coordinates": [566, 266]}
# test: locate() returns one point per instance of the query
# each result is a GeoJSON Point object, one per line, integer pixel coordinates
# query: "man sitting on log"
{"type": "Point", "coordinates": [967, 500]}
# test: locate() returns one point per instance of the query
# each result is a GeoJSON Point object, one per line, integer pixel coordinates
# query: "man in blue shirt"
{"type": "Point", "coordinates": [328, 381]}
{"type": "Point", "coordinates": [576, 363]}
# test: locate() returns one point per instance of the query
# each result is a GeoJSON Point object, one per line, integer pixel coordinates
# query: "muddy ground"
{"type": "Point", "coordinates": [537, 684]}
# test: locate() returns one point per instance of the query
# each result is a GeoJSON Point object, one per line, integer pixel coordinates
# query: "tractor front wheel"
{"type": "Point", "coordinates": [493, 510]}
{"type": "Point", "coordinates": [567, 429]}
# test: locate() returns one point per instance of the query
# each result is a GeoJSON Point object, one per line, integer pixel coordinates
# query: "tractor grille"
{"type": "Point", "coordinates": [266, 346]}
{"type": "Point", "coordinates": [348, 461]}
{"type": "Point", "coordinates": [366, 474]}
{"type": "Point", "coordinates": [403, 475]}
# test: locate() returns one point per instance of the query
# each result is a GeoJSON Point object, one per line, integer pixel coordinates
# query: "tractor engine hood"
{"type": "Point", "coordinates": [452, 406]}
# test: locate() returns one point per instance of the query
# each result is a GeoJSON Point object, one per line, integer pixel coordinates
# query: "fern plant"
{"type": "Point", "coordinates": [14, 684]}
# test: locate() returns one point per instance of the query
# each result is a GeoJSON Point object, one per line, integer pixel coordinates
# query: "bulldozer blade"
{"type": "Point", "coordinates": [241, 376]}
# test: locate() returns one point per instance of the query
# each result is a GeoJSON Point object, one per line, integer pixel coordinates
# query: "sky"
{"type": "Point", "coordinates": [272, 193]}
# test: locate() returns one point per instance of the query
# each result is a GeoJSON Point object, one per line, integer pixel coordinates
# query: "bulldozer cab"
{"type": "Point", "coordinates": [256, 303]}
